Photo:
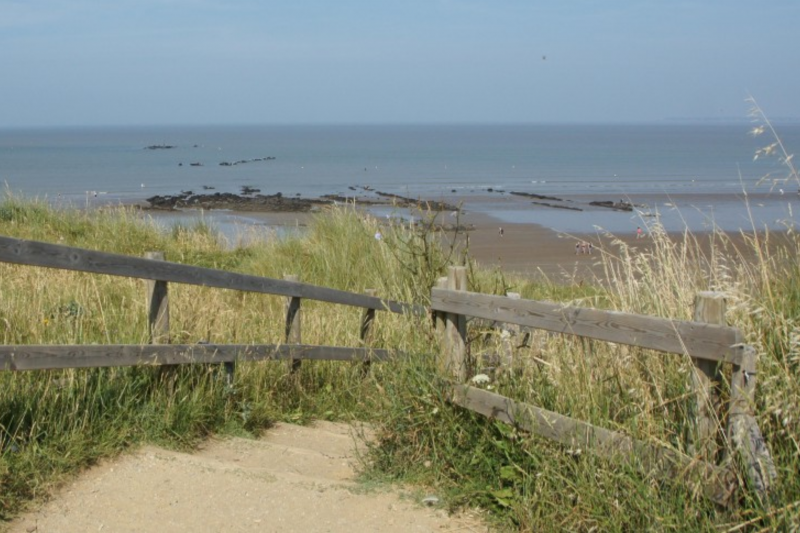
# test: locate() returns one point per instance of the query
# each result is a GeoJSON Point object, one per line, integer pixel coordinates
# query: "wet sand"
{"type": "Point", "coordinates": [530, 250]}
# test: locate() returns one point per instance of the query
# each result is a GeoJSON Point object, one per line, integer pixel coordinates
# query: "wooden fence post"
{"type": "Point", "coordinates": [158, 313]}
{"type": "Point", "coordinates": [508, 335]}
{"type": "Point", "coordinates": [709, 307]}
{"type": "Point", "coordinates": [157, 306]}
{"type": "Point", "coordinates": [744, 435]}
{"type": "Point", "coordinates": [293, 323]}
{"type": "Point", "coordinates": [367, 319]}
{"type": "Point", "coordinates": [454, 360]}
{"type": "Point", "coordinates": [438, 317]}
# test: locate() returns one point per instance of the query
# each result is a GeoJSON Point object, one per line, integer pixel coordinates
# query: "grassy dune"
{"type": "Point", "coordinates": [54, 423]}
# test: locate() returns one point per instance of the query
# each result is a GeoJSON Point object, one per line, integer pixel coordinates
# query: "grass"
{"type": "Point", "coordinates": [54, 423]}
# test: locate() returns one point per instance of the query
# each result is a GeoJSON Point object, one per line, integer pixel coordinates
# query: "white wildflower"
{"type": "Point", "coordinates": [481, 379]}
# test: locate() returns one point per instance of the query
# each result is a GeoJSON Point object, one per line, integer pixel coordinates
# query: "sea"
{"type": "Point", "coordinates": [678, 175]}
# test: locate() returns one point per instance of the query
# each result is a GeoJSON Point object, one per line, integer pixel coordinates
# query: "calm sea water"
{"type": "Point", "coordinates": [660, 165]}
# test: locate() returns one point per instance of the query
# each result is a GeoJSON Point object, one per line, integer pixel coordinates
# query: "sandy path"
{"type": "Point", "coordinates": [293, 479]}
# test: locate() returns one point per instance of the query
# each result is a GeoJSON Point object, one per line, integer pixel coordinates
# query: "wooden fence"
{"type": "Point", "coordinates": [706, 340]}
{"type": "Point", "coordinates": [160, 273]}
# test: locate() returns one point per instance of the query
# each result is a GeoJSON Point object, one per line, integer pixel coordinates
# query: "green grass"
{"type": "Point", "coordinates": [54, 423]}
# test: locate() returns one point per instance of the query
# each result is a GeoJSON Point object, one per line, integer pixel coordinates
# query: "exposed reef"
{"type": "Point", "coordinates": [259, 202]}
{"type": "Point", "coordinates": [249, 200]}
{"type": "Point", "coordinates": [616, 206]}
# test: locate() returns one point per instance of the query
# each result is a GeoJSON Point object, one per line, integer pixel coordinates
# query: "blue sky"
{"type": "Point", "coordinates": [92, 62]}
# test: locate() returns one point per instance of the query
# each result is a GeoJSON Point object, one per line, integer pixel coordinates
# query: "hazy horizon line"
{"type": "Point", "coordinates": [665, 121]}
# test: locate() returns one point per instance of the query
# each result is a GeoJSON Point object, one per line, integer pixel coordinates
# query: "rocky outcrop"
{"type": "Point", "coordinates": [259, 202]}
{"type": "Point", "coordinates": [557, 206]}
{"type": "Point", "coordinates": [536, 196]}
{"type": "Point", "coordinates": [616, 206]}
{"type": "Point", "coordinates": [243, 161]}
{"type": "Point", "coordinates": [248, 200]}
{"type": "Point", "coordinates": [402, 201]}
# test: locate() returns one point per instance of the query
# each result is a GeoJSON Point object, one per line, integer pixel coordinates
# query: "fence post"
{"type": "Point", "coordinates": [744, 435]}
{"type": "Point", "coordinates": [293, 323]}
{"type": "Point", "coordinates": [454, 360]}
{"type": "Point", "coordinates": [438, 317]}
{"type": "Point", "coordinates": [508, 335]}
{"type": "Point", "coordinates": [367, 319]}
{"type": "Point", "coordinates": [709, 307]}
{"type": "Point", "coordinates": [157, 306]}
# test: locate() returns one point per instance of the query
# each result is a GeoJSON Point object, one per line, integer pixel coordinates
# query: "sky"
{"type": "Point", "coordinates": [148, 62]}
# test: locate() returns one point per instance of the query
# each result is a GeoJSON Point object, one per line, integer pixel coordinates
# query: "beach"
{"type": "Point", "coordinates": [522, 248]}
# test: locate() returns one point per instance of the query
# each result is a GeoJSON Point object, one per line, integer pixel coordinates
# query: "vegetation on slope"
{"type": "Point", "coordinates": [53, 423]}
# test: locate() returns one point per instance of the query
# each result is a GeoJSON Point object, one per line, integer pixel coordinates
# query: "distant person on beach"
{"type": "Point", "coordinates": [590, 248]}
{"type": "Point", "coordinates": [577, 248]}
{"type": "Point", "coordinates": [639, 232]}
{"type": "Point", "coordinates": [501, 231]}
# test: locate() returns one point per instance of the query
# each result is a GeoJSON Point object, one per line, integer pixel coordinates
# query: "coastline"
{"type": "Point", "coordinates": [524, 248]}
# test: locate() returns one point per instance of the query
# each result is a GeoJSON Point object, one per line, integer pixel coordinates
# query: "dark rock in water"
{"type": "Point", "coordinates": [243, 161]}
{"type": "Point", "coordinates": [217, 200]}
{"type": "Point", "coordinates": [557, 206]}
{"type": "Point", "coordinates": [537, 196]}
{"type": "Point", "coordinates": [619, 206]}
{"type": "Point", "coordinates": [279, 203]}
{"type": "Point", "coordinates": [196, 164]}
{"type": "Point", "coordinates": [402, 201]}
{"type": "Point", "coordinates": [160, 147]}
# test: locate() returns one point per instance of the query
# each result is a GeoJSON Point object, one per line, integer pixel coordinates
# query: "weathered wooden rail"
{"type": "Point", "coordinates": [160, 352]}
{"type": "Point", "coordinates": [705, 340]}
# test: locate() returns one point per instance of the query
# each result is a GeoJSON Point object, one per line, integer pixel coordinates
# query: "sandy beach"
{"type": "Point", "coordinates": [532, 250]}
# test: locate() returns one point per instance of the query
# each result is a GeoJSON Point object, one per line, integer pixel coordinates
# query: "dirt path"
{"type": "Point", "coordinates": [293, 479]}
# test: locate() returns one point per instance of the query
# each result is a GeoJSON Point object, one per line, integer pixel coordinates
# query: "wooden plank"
{"type": "Point", "coordinates": [703, 341]}
{"type": "Point", "coordinates": [35, 253]}
{"type": "Point", "coordinates": [717, 483]}
{"type": "Point", "coordinates": [43, 357]}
